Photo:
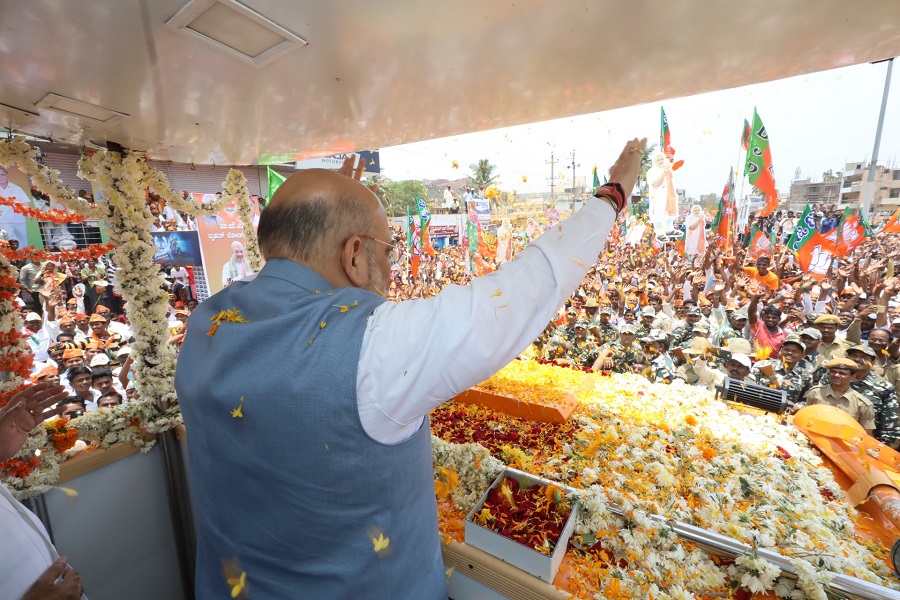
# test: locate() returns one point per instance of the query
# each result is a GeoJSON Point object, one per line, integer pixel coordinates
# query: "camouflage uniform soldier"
{"type": "Point", "coordinates": [644, 329]}
{"type": "Point", "coordinates": [733, 328]}
{"type": "Point", "coordinates": [662, 368]}
{"type": "Point", "coordinates": [584, 350]}
{"type": "Point", "coordinates": [879, 392]}
{"type": "Point", "coordinates": [789, 373]}
{"type": "Point", "coordinates": [604, 331]}
{"type": "Point", "coordinates": [684, 334]}
{"type": "Point", "coordinates": [623, 355]}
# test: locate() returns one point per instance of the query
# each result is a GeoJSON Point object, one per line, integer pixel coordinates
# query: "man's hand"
{"type": "Point", "coordinates": [46, 588]}
{"type": "Point", "coordinates": [626, 168]}
{"type": "Point", "coordinates": [24, 412]}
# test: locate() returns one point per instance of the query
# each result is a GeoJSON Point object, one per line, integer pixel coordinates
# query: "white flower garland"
{"type": "Point", "coordinates": [235, 187]}
{"type": "Point", "coordinates": [160, 184]}
{"type": "Point", "coordinates": [17, 152]}
{"type": "Point", "coordinates": [123, 180]}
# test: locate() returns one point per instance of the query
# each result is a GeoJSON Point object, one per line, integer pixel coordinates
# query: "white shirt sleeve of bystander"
{"type": "Point", "coordinates": [418, 354]}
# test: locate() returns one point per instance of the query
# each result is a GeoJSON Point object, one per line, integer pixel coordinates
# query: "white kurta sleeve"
{"type": "Point", "coordinates": [420, 353]}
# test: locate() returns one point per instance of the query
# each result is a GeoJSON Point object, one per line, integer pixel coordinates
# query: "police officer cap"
{"type": "Point", "coordinates": [841, 363]}
{"type": "Point", "coordinates": [701, 326]}
{"type": "Point", "coordinates": [591, 303]}
{"type": "Point", "coordinates": [581, 324]}
{"type": "Point", "coordinates": [827, 320]}
{"type": "Point", "coordinates": [648, 311]}
{"type": "Point", "coordinates": [571, 311]}
{"type": "Point", "coordinates": [628, 328]}
{"type": "Point", "coordinates": [694, 311]}
{"type": "Point", "coordinates": [606, 310]}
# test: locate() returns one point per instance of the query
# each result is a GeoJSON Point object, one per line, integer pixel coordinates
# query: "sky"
{"type": "Point", "coordinates": [815, 122]}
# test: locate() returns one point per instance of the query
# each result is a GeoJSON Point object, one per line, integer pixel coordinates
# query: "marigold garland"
{"type": "Point", "coordinates": [63, 438]}
{"type": "Point", "coordinates": [40, 255]}
{"type": "Point", "coordinates": [16, 358]}
{"type": "Point", "coordinates": [53, 215]}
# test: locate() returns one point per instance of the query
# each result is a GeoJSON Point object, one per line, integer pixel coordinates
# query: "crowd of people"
{"type": "Point", "coordinates": [694, 320]}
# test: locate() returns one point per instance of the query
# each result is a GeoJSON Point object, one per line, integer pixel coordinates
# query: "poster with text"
{"type": "Point", "coordinates": [177, 248]}
{"type": "Point", "coordinates": [222, 243]}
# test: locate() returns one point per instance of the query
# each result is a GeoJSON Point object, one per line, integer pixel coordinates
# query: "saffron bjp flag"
{"type": "Point", "coordinates": [893, 224]}
{"type": "Point", "coordinates": [424, 220]}
{"type": "Point", "coordinates": [816, 254]}
{"type": "Point", "coordinates": [760, 245]}
{"type": "Point", "coordinates": [725, 214]}
{"type": "Point", "coordinates": [274, 180]}
{"type": "Point", "coordinates": [758, 166]}
{"type": "Point", "coordinates": [851, 232]}
{"type": "Point", "coordinates": [665, 141]}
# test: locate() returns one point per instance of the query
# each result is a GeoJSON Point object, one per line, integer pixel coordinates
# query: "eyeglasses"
{"type": "Point", "coordinates": [369, 237]}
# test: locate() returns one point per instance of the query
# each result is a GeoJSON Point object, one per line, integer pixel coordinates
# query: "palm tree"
{"type": "Point", "coordinates": [483, 173]}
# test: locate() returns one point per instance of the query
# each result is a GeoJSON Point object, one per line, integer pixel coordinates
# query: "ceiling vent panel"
{"type": "Point", "coordinates": [235, 29]}
{"type": "Point", "coordinates": [80, 109]}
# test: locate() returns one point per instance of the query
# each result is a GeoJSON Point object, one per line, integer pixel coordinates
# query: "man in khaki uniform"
{"type": "Point", "coordinates": [838, 393]}
{"type": "Point", "coordinates": [831, 345]}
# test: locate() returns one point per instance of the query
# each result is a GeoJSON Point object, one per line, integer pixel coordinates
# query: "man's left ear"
{"type": "Point", "coordinates": [353, 262]}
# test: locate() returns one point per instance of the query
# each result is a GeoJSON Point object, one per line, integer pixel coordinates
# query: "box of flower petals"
{"type": "Point", "coordinates": [525, 521]}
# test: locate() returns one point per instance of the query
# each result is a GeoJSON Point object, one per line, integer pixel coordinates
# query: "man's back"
{"type": "Point", "coordinates": [291, 486]}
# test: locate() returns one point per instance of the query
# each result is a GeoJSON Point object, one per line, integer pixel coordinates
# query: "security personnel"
{"type": "Point", "coordinates": [879, 392]}
{"type": "Point", "coordinates": [648, 315]}
{"type": "Point", "coordinates": [788, 372]}
{"type": "Point", "coordinates": [831, 345]}
{"type": "Point", "coordinates": [604, 331]}
{"type": "Point", "coordinates": [838, 393]}
{"type": "Point", "coordinates": [685, 333]}
{"type": "Point", "coordinates": [583, 349]}
{"type": "Point", "coordinates": [623, 355]}
{"type": "Point", "coordinates": [662, 367]}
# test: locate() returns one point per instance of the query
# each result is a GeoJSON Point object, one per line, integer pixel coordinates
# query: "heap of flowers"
{"type": "Point", "coordinates": [675, 451]}
{"type": "Point", "coordinates": [532, 516]}
{"type": "Point", "coordinates": [535, 382]}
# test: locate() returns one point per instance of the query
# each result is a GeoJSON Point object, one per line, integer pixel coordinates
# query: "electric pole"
{"type": "Point", "coordinates": [552, 163]}
{"type": "Point", "coordinates": [572, 166]}
{"type": "Point", "coordinates": [870, 188]}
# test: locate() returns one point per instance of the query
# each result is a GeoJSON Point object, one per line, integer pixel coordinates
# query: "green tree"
{"type": "Point", "coordinates": [483, 173]}
{"type": "Point", "coordinates": [646, 163]}
{"type": "Point", "coordinates": [709, 201]}
{"type": "Point", "coordinates": [397, 196]}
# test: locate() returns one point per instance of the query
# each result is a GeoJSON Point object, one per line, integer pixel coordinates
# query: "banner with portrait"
{"type": "Point", "coordinates": [222, 243]}
{"type": "Point", "coordinates": [14, 184]}
{"type": "Point", "coordinates": [177, 248]}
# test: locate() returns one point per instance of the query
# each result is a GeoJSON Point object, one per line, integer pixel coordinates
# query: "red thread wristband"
{"type": "Point", "coordinates": [614, 192]}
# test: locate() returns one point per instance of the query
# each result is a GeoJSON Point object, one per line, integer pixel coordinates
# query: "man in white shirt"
{"type": "Point", "coordinates": [448, 198]}
{"type": "Point", "coordinates": [237, 267]}
{"type": "Point", "coordinates": [182, 281]}
{"type": "Point", "coordinates": [323, 320]}
{"type": "Point", "coordinates": [30, 566]}
{"type": "Point", "coordinates": [11, 221]}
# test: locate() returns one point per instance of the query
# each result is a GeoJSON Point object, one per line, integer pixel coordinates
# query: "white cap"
{"type": "Point", "coordinates": [101, 360]}
{"type": "Point", "coordinates": [123, 351]}
{"type": "Point", "coordinates": [743, 359]}
{"type": "Point", "coordinates": [19, 301]}
{"type": "Point", "coordinates": [33, 316]}
{"type": "Point", "coordinates": [896, 321]}
{"type": "Point", "coordinates": [648, 311]}
{"type": "Point", "coordinates": [101, 283]}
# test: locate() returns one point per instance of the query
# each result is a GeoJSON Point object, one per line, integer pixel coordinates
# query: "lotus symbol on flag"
{"type": "Point", "coordinates": [819, 260]}
{"type": "Point", "coordinates": [850, 233]}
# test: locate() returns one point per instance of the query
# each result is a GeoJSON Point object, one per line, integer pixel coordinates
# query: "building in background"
{"type": "Point", "coordinates": [886, 192]}
{"type": "Point", "coordinates": [822, 193]}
